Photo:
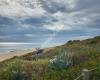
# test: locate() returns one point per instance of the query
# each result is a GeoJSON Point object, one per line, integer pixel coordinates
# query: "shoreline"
{"type": "Point", "coordinates": [12, 54]}
{"type": "Point", "coordinates": [9, 55]}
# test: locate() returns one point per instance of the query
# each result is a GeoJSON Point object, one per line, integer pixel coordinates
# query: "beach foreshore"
{"type": "Point", "coordinates": [9, 55]}
{"type": "Point", "coordinates": [12, 54]}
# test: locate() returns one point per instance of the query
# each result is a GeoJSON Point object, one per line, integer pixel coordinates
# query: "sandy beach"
{"type": "Point", "coordinates": [9, 55]}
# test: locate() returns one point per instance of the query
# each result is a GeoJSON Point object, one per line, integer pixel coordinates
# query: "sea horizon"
{"type": "Point", "coordinates": [6, 47]}
{"type": "Point", "coordinates": [15, 46]}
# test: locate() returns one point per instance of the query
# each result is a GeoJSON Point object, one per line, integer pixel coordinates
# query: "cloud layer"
{"type": "Point", "coordinates": [37, 20]}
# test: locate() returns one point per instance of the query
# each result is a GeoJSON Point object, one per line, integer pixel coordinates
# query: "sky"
{"type": "Point", "coordinates": [48, 22]}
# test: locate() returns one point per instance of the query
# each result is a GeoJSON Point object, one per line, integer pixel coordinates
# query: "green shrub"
{"type": "Point", "coordinates": [63, 60]}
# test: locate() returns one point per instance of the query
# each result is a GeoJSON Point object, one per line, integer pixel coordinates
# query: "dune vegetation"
{"type": "Point", "coordinates": [64, 62]}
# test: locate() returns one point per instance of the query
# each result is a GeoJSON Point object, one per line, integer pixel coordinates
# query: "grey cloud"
{"type": "Point", "coordinates": [52, 6]}
{"type": "Point", "coordinates": [86, 4]}
{"type": "Point", "coordinates": [84, 15]}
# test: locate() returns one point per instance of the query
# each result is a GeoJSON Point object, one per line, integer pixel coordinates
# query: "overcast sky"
{"type": "Point", "coordinates": [48, 21]}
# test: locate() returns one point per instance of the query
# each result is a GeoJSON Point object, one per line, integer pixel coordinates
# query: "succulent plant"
{"type": "Point", "coordinates": [63, 60]}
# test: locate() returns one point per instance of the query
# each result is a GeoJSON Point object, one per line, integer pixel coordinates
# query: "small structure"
{"type": "Point", "coordinates": [85, 74]}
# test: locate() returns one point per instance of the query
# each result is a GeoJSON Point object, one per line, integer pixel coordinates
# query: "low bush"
{"type": "Point", "coordinates": [63, 60]}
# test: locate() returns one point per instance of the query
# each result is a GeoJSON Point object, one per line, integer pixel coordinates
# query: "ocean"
{"type": "Point", "coordinates": [10, 47]}
{"type": "Point", "coordinates": [6, 47]}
